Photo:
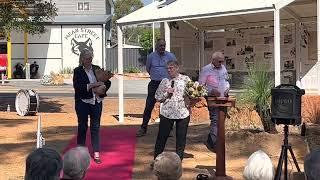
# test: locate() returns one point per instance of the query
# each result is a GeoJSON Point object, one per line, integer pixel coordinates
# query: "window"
{"type": "Point", "coordinates": [80, 6]}
{"type": "Point", "coordinates": [83, 6]}
{"type": "Point", "coordinates": [86, 6]}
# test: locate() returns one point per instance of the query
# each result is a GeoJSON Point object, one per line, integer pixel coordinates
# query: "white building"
{"type": "Point", "coordinates": [79, 24]}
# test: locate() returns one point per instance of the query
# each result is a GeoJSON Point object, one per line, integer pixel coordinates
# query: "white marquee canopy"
{"type": "Point", "coordinates": [215, 14]}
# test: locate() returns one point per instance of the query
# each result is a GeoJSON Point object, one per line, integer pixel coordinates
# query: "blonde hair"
{"type": "Point", "coordinates": [83, 53]}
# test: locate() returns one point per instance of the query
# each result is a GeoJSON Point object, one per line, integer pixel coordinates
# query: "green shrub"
{"type": "Point", "coordinates": [258, 93]}
{"type": "Point", "coordinates": [132, 69]}
{"type": "Point", "coordinates": [66, 70]}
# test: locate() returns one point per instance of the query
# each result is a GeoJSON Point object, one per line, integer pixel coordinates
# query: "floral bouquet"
{"type": "Point", "coordinates": [195, 90]}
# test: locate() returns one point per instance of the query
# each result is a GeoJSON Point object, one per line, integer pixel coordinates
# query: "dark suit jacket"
{"type": "Point", "coordinates": [80, 81]}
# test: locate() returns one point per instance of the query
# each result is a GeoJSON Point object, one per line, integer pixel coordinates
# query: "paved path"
{"type": "Point", "coordinates": [132, 88]}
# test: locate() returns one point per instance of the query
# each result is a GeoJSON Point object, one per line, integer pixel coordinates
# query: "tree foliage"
{"type": "Point", "coordinates": [146, 38]}
{"type": "Point", "coordinates": [26, 15]}
{"type": "Point", "coordinates": [121, 9]}
{"type": "Point", "coordinates": [125, 7]}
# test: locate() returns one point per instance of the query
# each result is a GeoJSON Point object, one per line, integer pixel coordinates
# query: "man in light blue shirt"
{"type": "Point", "coordinates": [157, 68]}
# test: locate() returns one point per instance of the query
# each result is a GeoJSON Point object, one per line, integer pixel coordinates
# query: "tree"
{"type": "Point", "coordinates": [125, 7]}
{"type": "Point", "coordinates": [26, 15]}
{"type": "Point", "coordinates": [121, 9]}
{"type": "Point", "coordinates": [146, 43]}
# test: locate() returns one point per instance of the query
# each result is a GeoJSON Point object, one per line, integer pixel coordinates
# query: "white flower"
{"type": "Point", "coordinates": [191, 89]}
{"type": "Point", "coordinates": [196, 84]}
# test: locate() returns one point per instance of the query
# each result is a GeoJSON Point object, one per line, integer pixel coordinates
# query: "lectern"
{"type": "Point", "coordinates": [221, 103]}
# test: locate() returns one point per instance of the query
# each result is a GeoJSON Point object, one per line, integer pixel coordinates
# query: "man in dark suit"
{"type": "Point", "coordinates": [89, 93]}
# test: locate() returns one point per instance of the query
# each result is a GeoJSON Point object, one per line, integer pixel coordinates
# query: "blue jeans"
{"type": "Point", "coordinates": [213, 114]}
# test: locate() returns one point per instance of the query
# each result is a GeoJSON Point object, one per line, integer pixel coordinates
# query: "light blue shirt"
{"type": "Point", "coordinates": [157, 65]}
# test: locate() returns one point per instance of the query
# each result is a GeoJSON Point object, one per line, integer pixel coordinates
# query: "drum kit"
{"type": "Point", "coordinates": [27, 102]}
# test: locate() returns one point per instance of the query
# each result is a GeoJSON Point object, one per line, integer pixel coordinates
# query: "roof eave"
{"type": "Point", "coordinates": [198, 16]}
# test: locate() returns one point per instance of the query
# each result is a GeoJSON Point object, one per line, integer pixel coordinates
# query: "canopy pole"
{"type": "Point", "coordinates": [167, 35]}
{"type": "Point", "coordinates": [120, 71]}
{"type": "Point", "coordinates": [277, 61]}
{"type": "Point", "coordinates": [202, 47]}
{"type": "Point", "coordinates": [318, 30]}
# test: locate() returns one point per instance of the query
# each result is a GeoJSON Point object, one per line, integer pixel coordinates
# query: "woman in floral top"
{"type": "Point", "coordinates": [174, 109]}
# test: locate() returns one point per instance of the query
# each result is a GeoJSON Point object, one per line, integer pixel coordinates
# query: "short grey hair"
{"type": "Point", "coordinates": [173, 62]}
{"type": "Point", "coordinates": [43, 163]}
{"type": "Point", "coordinates": [312, 165]}
{"type": "Point", "coordinates": [167, 166]}
{"type": "Point", "coordinates": [76, 161]}
{"type": "Point", "coordinates": [217, 55]}
{"type": "Point", "coordinates": [83, 53]}
{"type": "Point", "coordinates": [259, 167]}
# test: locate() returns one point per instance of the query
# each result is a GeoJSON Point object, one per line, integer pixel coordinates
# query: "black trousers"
{"type": "Point", "coordinates": [165, 127]}
{"type": "Point", "coordinates": [150, 102]}
{"type": "Point", "coordinates": [84, 110]}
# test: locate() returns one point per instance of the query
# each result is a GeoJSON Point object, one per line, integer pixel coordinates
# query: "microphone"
{"type": "Point", "coordinates": [172, 85]}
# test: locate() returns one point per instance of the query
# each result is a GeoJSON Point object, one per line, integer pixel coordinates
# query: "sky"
{"type": "Point", "coordinates": [145, 2]}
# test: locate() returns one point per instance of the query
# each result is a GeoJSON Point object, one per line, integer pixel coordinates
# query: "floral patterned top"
{"type": "Point", "coordinates": [174, 107]}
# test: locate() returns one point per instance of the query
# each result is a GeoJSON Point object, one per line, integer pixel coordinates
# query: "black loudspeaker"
{"type": "Point", "coordinates": [286, 104]}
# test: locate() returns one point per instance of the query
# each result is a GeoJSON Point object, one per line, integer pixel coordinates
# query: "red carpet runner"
{"type": "Point", "coordinates": [117, 154]}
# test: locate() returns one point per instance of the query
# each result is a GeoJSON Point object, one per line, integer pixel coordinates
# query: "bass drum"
{"type": "Point", "coordinates": [27, 102]}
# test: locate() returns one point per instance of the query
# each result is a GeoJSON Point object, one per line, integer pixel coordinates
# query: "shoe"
{"type": "Point", "coordinates": [97, 160]}
{"type": "Point", "coordinates": [141, 132]}
{"type": "Point", "coordinates": [210, 147]}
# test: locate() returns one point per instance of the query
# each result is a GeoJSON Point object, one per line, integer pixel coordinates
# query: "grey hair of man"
{"type": "Point", "coordinates": [259, 167]}
{"type": "Point", "coordinates": [84, 53]}
{"type": "Point", "coordinates": [312, 165]}
{"type": "Point", "coordinates": [43, 163]}
{"type": "Point", "coordinates": [167, 166]}
{"type": "Point", "coordinates": [76, 162]}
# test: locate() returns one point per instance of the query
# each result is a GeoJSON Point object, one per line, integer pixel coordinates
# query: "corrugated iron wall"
{"type": "Point", "coordinates": [131, 59]}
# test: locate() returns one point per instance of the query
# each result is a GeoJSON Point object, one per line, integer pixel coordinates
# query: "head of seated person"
{"type": "Point", "coordinates": [43, 163]}
{"type": "Point", "coordinates": [259, 167]}
{"type": "Point", "coordinates": [312, 165]}
{"type": "Point", "coordinates": [167, 166]}
{"type": "Point", "coordinates": [76, 162]}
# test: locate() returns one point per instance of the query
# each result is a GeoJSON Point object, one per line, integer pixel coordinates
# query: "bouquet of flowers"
{"type": "Point", "coordinates": [195, 90]}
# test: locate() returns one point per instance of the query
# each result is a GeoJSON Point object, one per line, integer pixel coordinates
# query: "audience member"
{"type": "Point", "coordinates": [259, 167]}
{"type": "Point", "coordinates": [43, 164]}
{"type": "Point", "coordinates": [312, 165]}
{"type": "Point", "coordinates": [76, 161]}
{"type": "Point", "coordinates": [167, 166]}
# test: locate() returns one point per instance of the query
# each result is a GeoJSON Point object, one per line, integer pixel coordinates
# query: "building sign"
{"type": "Point", "coordinates": [77, 38]}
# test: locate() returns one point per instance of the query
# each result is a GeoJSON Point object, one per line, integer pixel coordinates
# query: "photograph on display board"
{"type": "Point", "coordinates": [245, 50]}
{"type": "Point", "coordinates": [231, 42]}
{"type": "Point", "coordinates": [268, 40]}
{"type": "Point", "coordinates": [287, 39]}
{"type": "Point", "coordinates": [208, 44]}
{"type": "Point", "coordinates": [267, 55]}
{"type": "Point", "coordinates": [229, 62]}
{"type": "Point", "coordinates": [248, 49]}
{"type": "Point", "coordinates": [289, 64]}
{"type": "Point", "coordinates": [249, 60]}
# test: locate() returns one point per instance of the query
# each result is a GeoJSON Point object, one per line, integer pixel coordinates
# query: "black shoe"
{"type": "Point", "coordinates": [211, 148]}
{"type": "Point", "coordinates": [97, 160]}
{"type": "Point", "coordinates": [141, 132]}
